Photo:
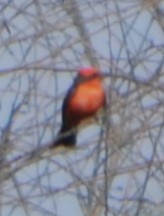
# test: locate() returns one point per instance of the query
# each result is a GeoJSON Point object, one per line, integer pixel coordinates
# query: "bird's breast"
{"type": "Point", "coordinates": [86, 100]}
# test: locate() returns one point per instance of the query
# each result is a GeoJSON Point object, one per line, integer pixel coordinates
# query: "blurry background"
{"type": "Point", "coordinates": [117, 167]}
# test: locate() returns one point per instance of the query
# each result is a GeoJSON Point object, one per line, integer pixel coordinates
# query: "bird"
{"type": "Point", "coordinates": [83, 100]}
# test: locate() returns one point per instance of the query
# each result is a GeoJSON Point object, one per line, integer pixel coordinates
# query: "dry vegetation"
{"type": "Point", "coordinates": [117, 167]}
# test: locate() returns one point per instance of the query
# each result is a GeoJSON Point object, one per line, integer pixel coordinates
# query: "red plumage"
{"type": "Point", "coordinates": [83, 100]}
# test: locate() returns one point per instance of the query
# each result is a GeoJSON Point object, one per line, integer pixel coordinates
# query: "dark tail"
{"type": "Point", "coordinates": [65, 138]}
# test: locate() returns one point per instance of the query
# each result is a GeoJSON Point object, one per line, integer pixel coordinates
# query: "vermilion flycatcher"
{"type": "Point", "coordinates": [83, 100]}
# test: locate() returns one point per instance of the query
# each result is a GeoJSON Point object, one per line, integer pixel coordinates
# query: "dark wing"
{"type": "Point", "coordinates": [65, 106]}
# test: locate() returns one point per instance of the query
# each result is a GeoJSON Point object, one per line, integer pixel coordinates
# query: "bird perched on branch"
{"type": "Point", "coordinates": [83, 100]}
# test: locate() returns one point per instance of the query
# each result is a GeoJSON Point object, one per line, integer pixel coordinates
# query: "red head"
{"type": "Point", "coordinates": [87, 72]}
